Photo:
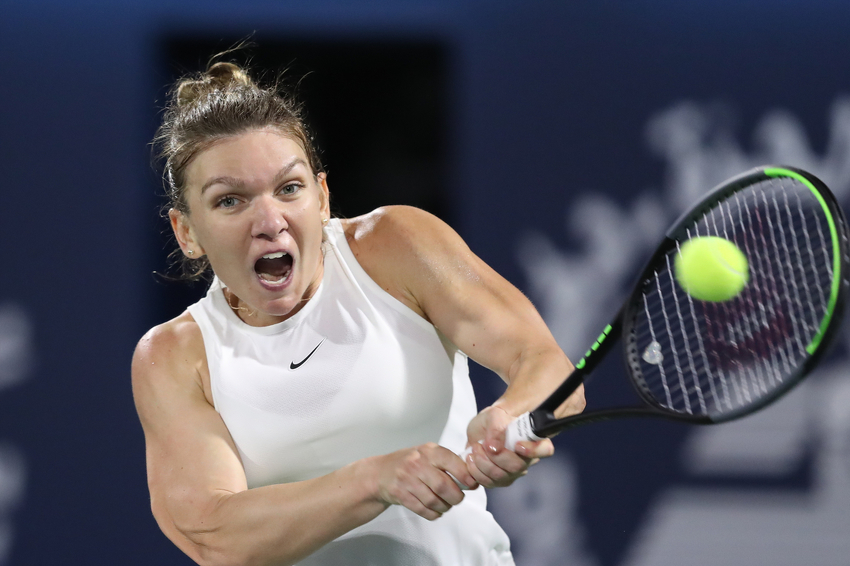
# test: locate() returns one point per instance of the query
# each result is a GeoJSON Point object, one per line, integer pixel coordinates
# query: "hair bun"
{"type": "Point", "coordinates": [220, 76]}
{"type": "Point", "coordinates": [223, 74]}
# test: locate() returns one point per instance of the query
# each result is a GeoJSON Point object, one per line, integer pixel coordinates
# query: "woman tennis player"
{"type": "Point", "coordinates": [311, 407]}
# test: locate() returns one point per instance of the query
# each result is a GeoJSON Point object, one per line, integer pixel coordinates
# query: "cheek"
{"type": "Point", "coordinates": [219, 239]}
{"type": "Point", "coordinates": [313, 238]}
{"type": "Point", "coordinates": [310, 218]}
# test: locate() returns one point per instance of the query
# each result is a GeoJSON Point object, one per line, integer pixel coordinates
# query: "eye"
{"type": "Point", "coordinates": [290, 189]}
{"type": "Point", "coordinates": [227, 202]}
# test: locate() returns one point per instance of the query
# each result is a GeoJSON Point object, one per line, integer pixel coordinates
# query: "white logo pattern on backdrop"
{"type": "Point", "coordinates": [575, 291]}
{"type": "Point", "coordinates": [15, 363]}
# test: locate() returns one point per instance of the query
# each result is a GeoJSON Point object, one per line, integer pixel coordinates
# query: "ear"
{"type": "Point", "coordinates": [185, 235]}
{"type": "Point", "coordinates": [325, 195]}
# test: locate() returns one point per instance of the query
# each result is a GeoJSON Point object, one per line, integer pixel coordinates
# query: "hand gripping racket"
{"type": "Point", "coordinates": [710, 362]}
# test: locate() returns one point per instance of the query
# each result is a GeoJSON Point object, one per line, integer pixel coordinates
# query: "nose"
{"type": "Point", "coordinates": [269, 220]}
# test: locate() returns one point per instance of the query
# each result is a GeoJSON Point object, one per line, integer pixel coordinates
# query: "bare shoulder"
{"type": "Point", "coordinates": [169, 357]}
{"type": "Point", "coordinates": [172, 342]}
{"type": "Point", "coordinates": [405, 250]}
{"type": "Point", "coordinates": [398, 233]}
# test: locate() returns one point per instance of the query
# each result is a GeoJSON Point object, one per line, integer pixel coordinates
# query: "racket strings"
{"type": "Point", "coordinates": [691, 365]}
{"type": "Point", "coordinates": [709, 322]}
{"type": "Point", "coordinates": [760, 297]}
{"type": "Point", "coordinates": [824, 301]}
{"type": "Point", "coordinates": [741, 390]}
{"type": "Point", "coordinates": [793, 280]}
{"type": "Point", "coordinates": [713, 358]}
{"type": "Point", "coordinates": [662, 373]}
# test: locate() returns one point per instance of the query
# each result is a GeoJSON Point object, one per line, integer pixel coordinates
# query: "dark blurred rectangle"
{"type": "Point", "coordinates": [377, 109]}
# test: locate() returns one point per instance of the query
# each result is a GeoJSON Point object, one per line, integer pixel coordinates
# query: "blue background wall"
{"type": "Point", "coordinates": [577, 131]}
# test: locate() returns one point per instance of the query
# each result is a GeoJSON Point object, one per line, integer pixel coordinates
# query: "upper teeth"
{"type": "Point", "coordinates": [275, 255]}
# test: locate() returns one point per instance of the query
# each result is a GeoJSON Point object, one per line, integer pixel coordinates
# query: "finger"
{"type": "Point", "coordinates": [410, 501]}
{"type": "Point", "coordinates": [447, 461]}
{"type": "Point", "coordinates": [530, 449]}
{"type": "Point", "coordinates": [478, 475]}
{"type": "Point", "coordinates": [507, 460]}
{"type": "Point", "coordinates": [483, 469]}
{"type": "Point", "coordinates": [429, 499]}
{"type": "Point", "coordinates": [432, 470]}
{"type": "Point", "coordinates": [494, 441]}
{"type": "Point", "coordinates": [495, 477]}
{"type": "Point", "coordinates": [443, 486]}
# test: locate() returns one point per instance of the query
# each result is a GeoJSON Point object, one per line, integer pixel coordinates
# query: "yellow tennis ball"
{"type": "Point", "coordinates": [710, 268]}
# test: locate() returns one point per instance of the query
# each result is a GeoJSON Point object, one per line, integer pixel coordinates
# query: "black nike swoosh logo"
{"type": "Point", "coordinates": [293, 365]}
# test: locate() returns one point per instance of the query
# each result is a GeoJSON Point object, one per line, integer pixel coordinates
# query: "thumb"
{"type": "Point", "coordinates": [494, 437]}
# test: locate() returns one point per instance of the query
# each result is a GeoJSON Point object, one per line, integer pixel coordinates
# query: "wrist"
{"type": "Point", "coordinates": [532, 380]}
{"type": "Point", "coordinates": [513, 407]}
{"type": "Point", "coordinates": [367, 476]}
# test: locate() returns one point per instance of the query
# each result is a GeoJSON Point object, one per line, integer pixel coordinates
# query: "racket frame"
{"type": "Point", "coordinates": [543, 421]}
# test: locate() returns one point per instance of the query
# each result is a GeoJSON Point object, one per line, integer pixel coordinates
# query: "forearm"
{"type": "Point", "coordinates": [281, 524]}
{"type": "Point", "coordinates": [533, 376]}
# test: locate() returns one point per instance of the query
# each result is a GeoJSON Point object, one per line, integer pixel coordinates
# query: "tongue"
{"type": "Point", "coordinates": [273, 269]}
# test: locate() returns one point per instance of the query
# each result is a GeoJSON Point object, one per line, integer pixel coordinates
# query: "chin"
{"type": "Point", "coordinates": [283, 306]}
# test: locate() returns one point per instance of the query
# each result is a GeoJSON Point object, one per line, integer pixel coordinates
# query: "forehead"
{"type": "Point", "coordinates": [251, 156]}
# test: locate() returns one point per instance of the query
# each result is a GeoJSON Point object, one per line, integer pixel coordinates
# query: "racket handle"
{"type": "Point", "coordinates": [519, 430]}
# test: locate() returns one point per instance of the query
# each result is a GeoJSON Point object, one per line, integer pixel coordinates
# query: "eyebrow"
{"type": "Point", "coordinates": [238, 183]}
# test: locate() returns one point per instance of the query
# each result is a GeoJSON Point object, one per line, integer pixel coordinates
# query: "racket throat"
{"type": "Point", "coordinates": [540, 422]}
{"type": "Point", "coordinates": [547, 408]}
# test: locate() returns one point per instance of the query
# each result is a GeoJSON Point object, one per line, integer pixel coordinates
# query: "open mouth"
{"type": "Point", "coordinates": [274, 268]}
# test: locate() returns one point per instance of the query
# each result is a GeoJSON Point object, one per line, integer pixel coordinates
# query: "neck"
{"type": "Point", "coordinates": [255, 317]}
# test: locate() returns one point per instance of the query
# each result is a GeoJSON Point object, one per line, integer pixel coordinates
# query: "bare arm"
{"type": "Point", "coordinates": [426, 265]}
{"type": "Point", "coordinates": [199, 494]}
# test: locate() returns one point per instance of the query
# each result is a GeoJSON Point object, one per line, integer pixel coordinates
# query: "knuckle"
{"type": "Point", "coordinates": [402, 477]}
{"type": "Point", "coordinates": [445, 488]}
{"type": "Point", "coordinates": [479, 477]}
{"type": "Point", "coordinates": [515, 467]}
{"type": "Point", "coordinates": [430, 515]}
{"type": "Point", "coordinates": [499, 474]}
{"type": "Point", "coordinates": [411, 462]}
{"type": "Point", "coordinates": [452, 496]}
{"type": "Point", "coordinates": [431, 501]}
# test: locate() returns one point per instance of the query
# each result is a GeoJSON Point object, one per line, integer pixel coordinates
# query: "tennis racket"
{"type": "Point", "coordinates": [710, 362]}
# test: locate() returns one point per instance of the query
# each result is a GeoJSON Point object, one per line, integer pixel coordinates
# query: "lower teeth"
{"type": "Point", "coordinates": [266, 278]}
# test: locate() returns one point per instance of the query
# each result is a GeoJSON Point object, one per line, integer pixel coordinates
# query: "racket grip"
{"type": "Point", "coordinates": [519, 430]}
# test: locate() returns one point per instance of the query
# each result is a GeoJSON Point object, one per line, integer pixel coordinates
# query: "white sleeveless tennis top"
{"type": "Point", "coordinates": [355, 373]}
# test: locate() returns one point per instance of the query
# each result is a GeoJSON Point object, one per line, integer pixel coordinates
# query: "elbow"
{"type": "Point", "coordinates": [213, 547]}
{"type": "Point", "coordinates": [204, 541]}
{"type": "Point", "coordinates": [210, 546]}
{"type": "Point", "coordinates": [203, 545]}
{"type": "Point", "coordinates": [216, 557]}
{"type": "Point", "coordinates": [208, 535]}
